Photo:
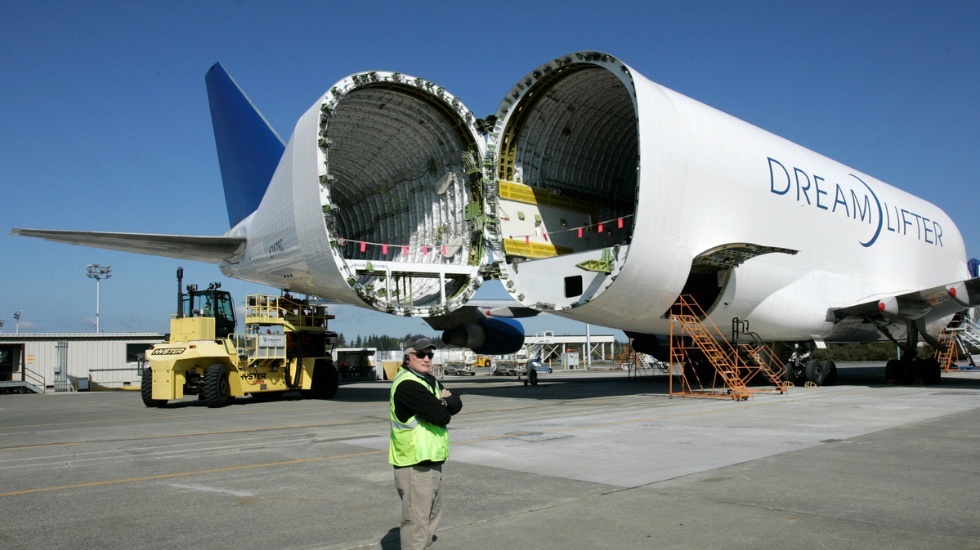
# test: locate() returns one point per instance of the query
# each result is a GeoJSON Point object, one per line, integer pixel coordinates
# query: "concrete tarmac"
{"type": "Point", "coordinates": [583, 460]}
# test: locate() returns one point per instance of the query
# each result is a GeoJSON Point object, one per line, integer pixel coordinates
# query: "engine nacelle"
{"type": "Point", "coordinates": [892, 308]}
{"type": "Point", "coordinates": [966, 293]}
{"type": "Point", "coordinates": [487, 337]}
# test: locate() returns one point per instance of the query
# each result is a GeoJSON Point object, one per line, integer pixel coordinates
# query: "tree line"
{"type": "Point", "coordinates": [378, 341]}
{"type": "Point", "coordinates": [876, 351]}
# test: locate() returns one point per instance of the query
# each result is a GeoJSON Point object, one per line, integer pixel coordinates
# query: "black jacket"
{"type": "Point", "coordinates": [414, 399]}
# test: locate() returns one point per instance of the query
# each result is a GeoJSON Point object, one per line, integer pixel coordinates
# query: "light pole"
{"type": "Point", "coordinates": [97, 272]}
{"type": "Point", "coordinates": [17, 318]}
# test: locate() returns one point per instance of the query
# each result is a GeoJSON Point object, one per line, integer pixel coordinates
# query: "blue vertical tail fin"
{"type": "Point", "coordinates": [248, 148]}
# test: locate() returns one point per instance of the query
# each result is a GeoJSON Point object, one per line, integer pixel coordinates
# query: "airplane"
{"type": "Point", "coordinates": [592, 193]}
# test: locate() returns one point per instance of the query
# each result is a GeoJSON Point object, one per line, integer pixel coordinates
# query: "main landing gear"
{"type": "Point", "coordinates": [803, 369]}
{"type": "Point", "coordinates": [910, 369]}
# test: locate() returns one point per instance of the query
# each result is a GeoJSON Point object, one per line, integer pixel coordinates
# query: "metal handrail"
{"type": "Point", "coordinates": [31, 377]}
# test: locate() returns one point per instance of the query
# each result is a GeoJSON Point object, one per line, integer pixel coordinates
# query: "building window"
{"type": "Point", "coordinates": [133, 351]}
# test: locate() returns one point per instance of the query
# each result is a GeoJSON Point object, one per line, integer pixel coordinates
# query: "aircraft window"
{"type": "Point", "coordinates": [573, 286]}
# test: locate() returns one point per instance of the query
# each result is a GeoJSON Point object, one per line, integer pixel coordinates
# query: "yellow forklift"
{"type": "Point", "coordinates": [285, 347]}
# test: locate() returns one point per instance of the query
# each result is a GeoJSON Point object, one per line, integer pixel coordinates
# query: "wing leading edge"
{"type": "Point", "coordinates": [930, 303]}
{"type": "Point", "coordinates": [203, 249]}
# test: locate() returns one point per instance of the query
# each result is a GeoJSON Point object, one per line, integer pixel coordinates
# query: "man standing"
{"type": "Point", "coordinates": [419, 444]}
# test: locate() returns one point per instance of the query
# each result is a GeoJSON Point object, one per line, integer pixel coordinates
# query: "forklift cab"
{"type": "Point", "coordinates": [211, 303]}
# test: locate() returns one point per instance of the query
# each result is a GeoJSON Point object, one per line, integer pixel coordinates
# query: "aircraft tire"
{"type": "Point", "coordinates": [790, 374]}
{"type": "Point", "coordinates": [146, 390]}
{"type": "Point", "coordinates": [816, 372]}
{"type": "Point", "coordinates": [216, 388]}
{"type": "Point", "coordinates": [532, 376]}
{"type": "Point", "coordinates": [831, 379]}
{"type": "Point", "coordinates": [893, 371]}
{"type": "Point", "coordinates": [927, 370]}
{"type": "Point", "coordinates": [934, 372]}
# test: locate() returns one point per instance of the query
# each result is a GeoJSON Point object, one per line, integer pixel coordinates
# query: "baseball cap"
{"type": "Point", "coordinates": [418, 344]}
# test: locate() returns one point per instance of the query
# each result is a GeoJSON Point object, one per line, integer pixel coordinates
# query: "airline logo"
{"type": "Point", "coordinates": [857, 201]}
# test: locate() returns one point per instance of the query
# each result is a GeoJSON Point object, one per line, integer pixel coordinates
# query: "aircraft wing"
{"type": "Point", "coordinates": [933, 303]}
{"type": "Point", "coordinates": [509, 309]}
{"type": "Point", "coordinates": [202, 249]}
{"type": "Point", "coordinates": [920, 306]}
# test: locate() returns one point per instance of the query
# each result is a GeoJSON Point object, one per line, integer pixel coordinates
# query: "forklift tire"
{"type": "Point", "coordinates": [216, 388]}
{"type": "Point", "coordinates": [146, 390]}
{"type": "Point", "coordinates": [325, 381]}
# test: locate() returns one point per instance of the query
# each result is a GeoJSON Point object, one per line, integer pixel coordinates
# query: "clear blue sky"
{"type": "Point", "coordinates": [105, 121]}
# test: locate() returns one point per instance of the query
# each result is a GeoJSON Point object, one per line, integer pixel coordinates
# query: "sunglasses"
{"type": "Point", "coordinates": [424, 354]}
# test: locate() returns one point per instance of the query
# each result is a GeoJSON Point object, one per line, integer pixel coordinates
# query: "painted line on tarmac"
{"type": "Point", "coordinates": [171, 436]}
{"type": "Point", "coordinates": [185, 474]}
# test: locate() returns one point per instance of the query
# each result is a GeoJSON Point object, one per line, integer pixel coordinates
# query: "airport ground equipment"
{"type": "Point", "coordinates": [959, 337]}
{"type": "Point", "coordinates": [458, 369]}
{"type": "Point", "coordinates": [713, 367]}
{"type": "Point", "coordinates": [458, 362]}
{"type": "Point", "coordinates": [947, 357]}
{"type": "Point", "coordinates": [285, 346]}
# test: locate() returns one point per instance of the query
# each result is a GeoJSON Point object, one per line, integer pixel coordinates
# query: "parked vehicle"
{"type": "Point", "coordinates": [460, 370]}
{"type": "Point", "coordinates": [538, 366]}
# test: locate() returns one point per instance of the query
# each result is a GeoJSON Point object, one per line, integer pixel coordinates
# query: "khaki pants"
{"type": "Point", "coordinates": [418, 487]}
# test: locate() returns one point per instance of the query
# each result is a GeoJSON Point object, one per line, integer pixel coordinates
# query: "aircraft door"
{"type": "Point", "coordinates": [711, 270]}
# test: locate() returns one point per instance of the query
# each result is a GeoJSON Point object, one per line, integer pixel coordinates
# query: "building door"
{"type": "Point", "coordinates": [10, 357]}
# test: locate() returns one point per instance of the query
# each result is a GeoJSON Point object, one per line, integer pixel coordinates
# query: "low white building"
{"type": "Point", "coordinates": [70, 362]}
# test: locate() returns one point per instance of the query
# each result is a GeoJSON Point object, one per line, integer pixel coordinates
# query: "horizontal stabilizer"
{"type": "Point", "coordinates": [202, 249]}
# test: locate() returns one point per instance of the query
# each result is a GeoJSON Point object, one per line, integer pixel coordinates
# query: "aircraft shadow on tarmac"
{"type": "Point", "coordinates": [572, 386]}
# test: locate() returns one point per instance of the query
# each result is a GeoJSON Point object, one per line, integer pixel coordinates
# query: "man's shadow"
{"type": "Point", "coordinates": [392, 540]}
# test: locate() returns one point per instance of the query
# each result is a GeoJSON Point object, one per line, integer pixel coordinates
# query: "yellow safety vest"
{"type": "Point", "coordinates": [415, 440]}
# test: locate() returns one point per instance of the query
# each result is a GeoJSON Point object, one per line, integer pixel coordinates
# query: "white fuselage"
{"type": "Point", "coordinates": [705, 179]}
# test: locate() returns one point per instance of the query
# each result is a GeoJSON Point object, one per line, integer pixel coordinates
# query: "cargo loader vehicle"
{"type": "Point", "coordinates": [285, 346]}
